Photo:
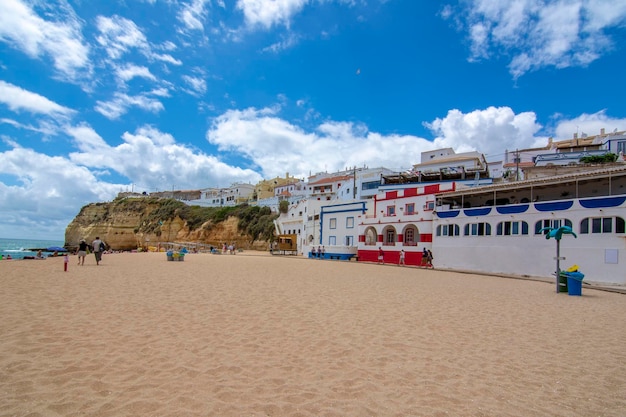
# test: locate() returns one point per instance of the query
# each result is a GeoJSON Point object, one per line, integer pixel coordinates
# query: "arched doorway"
{"type": "Point", "coordinates": [371, 236]}
{"type": "Point", "coordinates": [389, 236]}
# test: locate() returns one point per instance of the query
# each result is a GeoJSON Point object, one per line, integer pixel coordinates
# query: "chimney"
{"type": "Point", "coordinates": [602, 131]}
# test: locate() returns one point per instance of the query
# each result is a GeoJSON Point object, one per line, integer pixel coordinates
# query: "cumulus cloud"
{"type": "Point", "coordinates": [589, 124]}
{"type": "Point", "coordinates": [275, 145]}
{"type": "Point", "coordinates": [59, 40]}
{"type": "Point", "coordinates": [537, 34]}
{"type": "Point", "coordinates": [490, 131]}
{"type": "Point", "coordinates": [154, 159]}
{"type": "Point", "coordinates": [47, 178]}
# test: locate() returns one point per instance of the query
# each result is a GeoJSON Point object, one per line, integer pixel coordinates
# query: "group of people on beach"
{"type": "Point", "coordinates": [98, 247]}
{"type": "Point", "coordinates": [427, 258]}
{"type": "Point", "coordinates": [320, 253]}
{"type": "Point", "coordinates": [231, 249]}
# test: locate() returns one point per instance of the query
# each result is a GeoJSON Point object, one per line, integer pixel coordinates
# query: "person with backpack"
{"type": "Point", "coordinates": [98, 248]}
{"type": "Point", "coordinates": [430, 259]}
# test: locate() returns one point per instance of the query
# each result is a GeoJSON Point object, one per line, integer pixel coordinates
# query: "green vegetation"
{"type": "Point", "coordinates": [599, 159]}
{"type": "Point", "coordinates": [254, 221]}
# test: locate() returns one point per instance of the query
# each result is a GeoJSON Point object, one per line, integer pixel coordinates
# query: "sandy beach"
{"type": "Point", "coordinates": [256, 335]}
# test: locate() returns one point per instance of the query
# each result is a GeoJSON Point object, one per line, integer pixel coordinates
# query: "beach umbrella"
{"type": "Point", "coordinates": [56, 249]}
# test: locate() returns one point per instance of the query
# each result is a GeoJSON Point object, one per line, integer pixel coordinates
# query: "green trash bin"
{"type": "Point", "coordinates": [563, 281]}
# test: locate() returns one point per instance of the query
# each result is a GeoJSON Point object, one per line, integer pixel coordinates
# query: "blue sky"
{"type": "Point", "coordinates": [98, 97]}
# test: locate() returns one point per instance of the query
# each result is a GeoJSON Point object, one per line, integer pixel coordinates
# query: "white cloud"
{"type": "Point", "coordinates": [277, 146]}
{"type": "Point", "coordinates": [129, 71]}
{"type": "Point", "coordinates": [60, 40]}
{"type": "Point", "coordinates": [154, 159]}
{"type": "Point", "coordinates": [290, 40]}
{"type": "Point", "coordinates": [268, 13]}
{"type": "Point", "coordinates": [490, 131]}
{"type": "Point", "coordinates": [197, 85]}
{"type": "Point", "coordinates": [119, 35]}
{"type": "Point", "coordinates": [541, 33]}
{"type": "Point", "coordinates": [18, 99]}
{"type": "Point", "coordinates": [590, 124]}
{"type": "Point", "coordinates": [45, 128]}
{"type": "Point", "coordinates": [168, 46]}
{"type": "Point", "coordinates": [167, 58]}
{"type": "Point", "coordinates": [121, 102]}
{"type": "Point", "coordinates": [59, 186]}
{"type": "Point", "coordinates": [193, 14]}
{"type": "Point", "coordinates": [160, 92]}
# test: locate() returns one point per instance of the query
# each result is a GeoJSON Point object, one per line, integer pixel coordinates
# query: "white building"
{"type": "Point", "coordinates": [218, 197]}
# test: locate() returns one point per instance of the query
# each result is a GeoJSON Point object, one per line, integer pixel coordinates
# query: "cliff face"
{"type": "Point", "coordinates": [129, 223]}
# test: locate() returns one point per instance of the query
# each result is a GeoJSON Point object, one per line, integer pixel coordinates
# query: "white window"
{"type": "Point", "coordinates": [350, 223]}
{"type": "Point", "coordinates": [333, 223]}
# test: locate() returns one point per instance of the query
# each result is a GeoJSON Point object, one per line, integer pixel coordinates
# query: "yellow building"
{"type": "Point", "coordinates": [265, 189]}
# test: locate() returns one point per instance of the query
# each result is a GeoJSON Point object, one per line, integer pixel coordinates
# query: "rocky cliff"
{"type": "Point", "coordinates": [131, 223]}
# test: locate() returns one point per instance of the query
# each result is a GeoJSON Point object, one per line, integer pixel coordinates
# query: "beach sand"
{"type": "Point", "coordinates": [260, 335]}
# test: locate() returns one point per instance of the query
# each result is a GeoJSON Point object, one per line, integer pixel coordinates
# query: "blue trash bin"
{"type": "Point", "coordinates": [575, 283]}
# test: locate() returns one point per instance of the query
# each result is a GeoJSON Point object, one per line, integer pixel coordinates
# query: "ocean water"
{"type": "Point", "coordinates": [19, 248]}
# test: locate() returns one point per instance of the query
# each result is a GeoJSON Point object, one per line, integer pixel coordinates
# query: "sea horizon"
{"type": "Point", "coordinates": [20, 248]}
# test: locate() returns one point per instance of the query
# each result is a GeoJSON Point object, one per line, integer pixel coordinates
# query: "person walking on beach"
{"type": "Point", "coordinates": [98, 247]}
{"type": "Point", "coordinates": [82, 251]}
{"type": "Point", "coordinates": [401, 261]}
{"type": "Point", "coordinates": [381, 256]}
{"type": "Point", "coordinates": [430, 259]}
{"type": "Point", "coordinates": [424, 261]}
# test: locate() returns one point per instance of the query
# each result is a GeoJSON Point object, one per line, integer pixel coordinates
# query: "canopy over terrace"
{"type": "Point", "coordinates": [579, 185]}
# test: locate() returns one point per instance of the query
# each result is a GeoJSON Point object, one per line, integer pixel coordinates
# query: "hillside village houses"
{"type": "Point", "coordinates": [360, 210]}
{"type": "Point", "coordinates": [347, 224]}
{"type": "Point", "coordinates": [236, 194]}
